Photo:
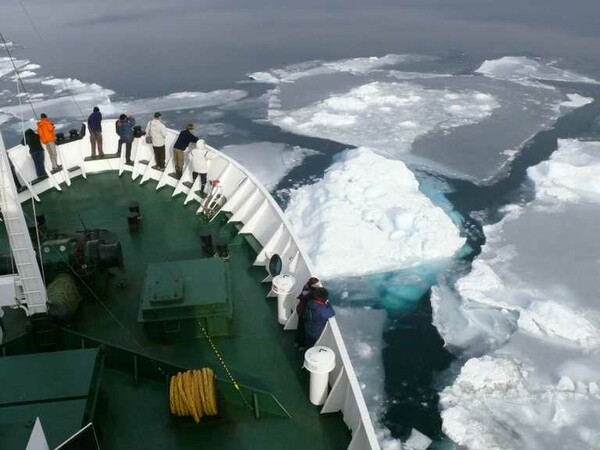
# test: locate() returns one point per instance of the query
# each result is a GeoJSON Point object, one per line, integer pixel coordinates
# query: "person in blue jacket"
{"type": "Point", "coordinates": [124, 128]}
{"type": "Point", "coordinates": [185, 138]}
{"type": "Point", "coordinates": [305, 296]}
{"type": "Point", "coordinates": [95, 128]}
{"type": "Point", "coordinates": [318, 312]}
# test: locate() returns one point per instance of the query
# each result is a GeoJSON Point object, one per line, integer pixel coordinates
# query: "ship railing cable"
{"type": "Point", "coordinates": [17, 74]}
{"type": "Point", "coordinates": [39, 35]}
{"type": "Point", "coordinates": [21, 85]}
{"type": "Point", "coordinates": [236, 385]}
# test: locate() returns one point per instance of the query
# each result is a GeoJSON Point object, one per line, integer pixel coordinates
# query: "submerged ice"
{"type": "Point", "coordinates": [528, 316]}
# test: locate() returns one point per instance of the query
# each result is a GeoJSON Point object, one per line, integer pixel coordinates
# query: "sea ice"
{"type": "Point", "coordinates": [386, 116]}
{"type": "Point", "coordinates": [529, 306]}
{"type": "Point", "coordinates": [268, 161]}
{"type": "Point", "coordinates": [367, 215]}
{"type": "Point", "coordinates": [576, 101]}
{"type": "Point", "coordinates": [294, 72]}
{"type": "Point", "coordinates": [521, 69]}
{"type": "Point", "coordinates": [462, 126]}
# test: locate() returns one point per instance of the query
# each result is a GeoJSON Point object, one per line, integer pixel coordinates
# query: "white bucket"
{"type": "Point", "coordinates": [283, 286]}
{"type": "Point", "coordinates": [319, 361]}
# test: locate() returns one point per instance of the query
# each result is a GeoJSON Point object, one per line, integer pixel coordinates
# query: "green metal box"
{"type": "Point", "coordinates": [181, 297]}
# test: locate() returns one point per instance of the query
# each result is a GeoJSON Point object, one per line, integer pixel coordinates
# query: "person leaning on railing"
{"type": "Point", "coordinates": [32, 139]}
{"type": "Point", "coordinates": [95, 128]}
{"type": "Point", "coordinates": [185, 138]}
{"type": "Point", "coordinates": [45, 129]}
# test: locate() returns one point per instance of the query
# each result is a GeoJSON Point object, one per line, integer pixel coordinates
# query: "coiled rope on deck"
{"type": "Point", "coordinates": [193, 393]}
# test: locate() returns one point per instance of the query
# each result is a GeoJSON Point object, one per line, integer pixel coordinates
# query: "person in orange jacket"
{"type": "Point", "coordinates": [45, 128]}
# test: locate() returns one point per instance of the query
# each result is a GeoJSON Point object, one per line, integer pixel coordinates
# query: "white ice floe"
{"type": "Point", "coordinates": [523, 70]}
{"type": "Point", "coordinates": [367, 215]}
{"type": "Point", "coordinates": [7, 66]}
{"type": "Point", "coordinates": [530, 304]}
{"type": "Point", "coordinates": [386, 116]}
{"type": "Point", "coordinates": [363, 335]}
{"type": "Point", "coordinates": [74, 98]}
{"type": "Point", "coordinates": [294, 72]}
{"type": "Point", "coordinates": [576, 101]}
{"type": "Point", "coordinates": [268, 161]}
{"type": "Point", "coordinates": [570, 175]}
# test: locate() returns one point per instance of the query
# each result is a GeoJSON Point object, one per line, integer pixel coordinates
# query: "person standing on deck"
{"type": "Point", "coordinates": [158, 133]}
{"type": "Point", "coordinates": [305, 296]}
{"type": "Point", "coordinates": [45, 130]}
{"type": "Point", "coordinates": [185, 138]}
{"type": "Point", "coordinates": [318, 312]}
{"type": "Point", "coordinates": [35, 150]}
{"type": "Point", "coordinates": [200, 156]}
{"type": "Point", "coordinates": [125, 126]}
{"type": "Point", "coordinates": [95, 128]}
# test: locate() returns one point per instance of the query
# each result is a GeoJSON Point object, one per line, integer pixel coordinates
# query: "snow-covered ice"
{"type": "Point", "coordinates": [576, 101]}
{"type": "Point", "coordinates": [463, 126]}
{"type": "Point", "coordinates": [528, 316]}
{"type": "Point", "coordinates": [367, 215]}
{"type": "Point", "coordinates": [387, 116]}
{"type": "Point", "coordinates": [294, 72]}
{"type": "Point", "coordinates": [525, 70]}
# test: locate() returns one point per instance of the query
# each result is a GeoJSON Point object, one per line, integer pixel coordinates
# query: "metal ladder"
{"type": "Point", "coordinates": [30, 278]}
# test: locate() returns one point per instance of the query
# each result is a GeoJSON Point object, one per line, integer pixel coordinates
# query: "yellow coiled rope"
{"type": "Point", "coordinates": [193, 393]}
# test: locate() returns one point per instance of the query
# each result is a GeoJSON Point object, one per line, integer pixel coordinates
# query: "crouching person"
{"type": "Point", "coordinates": [305, 296]}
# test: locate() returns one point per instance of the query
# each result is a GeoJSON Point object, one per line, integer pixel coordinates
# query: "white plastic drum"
{"type": "Point", "coordinates": [319, 361]}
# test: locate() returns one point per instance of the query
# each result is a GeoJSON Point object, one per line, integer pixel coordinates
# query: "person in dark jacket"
{"type": "Point", "coordinates": [185, 138]}
{"type": "Point", "coordinates": [32, 139]}
{"type": "Point", "coordinates": [95, 129]}
{"type": "Point", "coordinates": [124, 127]}
{"type": "Point", "coordinates": [305, 296]}
{"type": "Point", "coordinates": [318, 312]}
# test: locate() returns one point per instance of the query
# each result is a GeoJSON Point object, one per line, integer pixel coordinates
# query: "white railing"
{"type": "Point", "coordinates": [250, 203]}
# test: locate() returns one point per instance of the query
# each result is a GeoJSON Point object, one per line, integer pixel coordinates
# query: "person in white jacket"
{"type": "Point", "coordinates": [201, 155]}
{"type": "Point", "coordinates": [158, 133]}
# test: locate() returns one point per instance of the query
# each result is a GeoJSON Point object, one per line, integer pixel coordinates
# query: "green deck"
{"type": "Point", "coordinates": [58, 387]}
{"type": "Point", "coordinates": [258, 353]}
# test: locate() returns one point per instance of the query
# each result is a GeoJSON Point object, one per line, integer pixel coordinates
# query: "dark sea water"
{"type": "Point", "coordinates": [149, 48]}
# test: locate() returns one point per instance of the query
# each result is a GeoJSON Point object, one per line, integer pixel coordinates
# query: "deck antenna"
{"type": "Point", "coordinates": [85, 229]}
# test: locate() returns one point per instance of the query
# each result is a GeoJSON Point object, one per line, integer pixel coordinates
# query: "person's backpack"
{"type": "Point", "coordinates": [118, 127]}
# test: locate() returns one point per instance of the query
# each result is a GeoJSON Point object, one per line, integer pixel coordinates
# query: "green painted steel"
{"type": "Point", "coordinates": [133, 411]}
{"type": "Point", "coordinates": [60, 388]}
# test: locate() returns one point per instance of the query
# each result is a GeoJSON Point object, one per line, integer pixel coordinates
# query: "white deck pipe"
{"type": "Point", "coordinates": [283, 286]}
{"type": "Point", "coordinates": [319, 361]}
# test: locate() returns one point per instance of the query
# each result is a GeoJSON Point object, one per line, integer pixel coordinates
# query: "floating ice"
{"type": "Point", "coordinates": [386, 116]}
{"type": "Point", "coordinates": [530, 303]}
{"type": "Point", "coordinates": [570, 175]}
{"type": "Point", "coordinates": [459, 125]}
{"type": "Point", "coordinates": [7, 67]}
{"type": "Point", "coordinates": [576, 101]}
{"type": "Point", "coordinates": [367, 215]}
{"type": "Point", "coordinates": [417, 441]}
{"type": "Point", "coordinates": [363, 65]}
{"type": "Point", "coordinates": [363, 335]}
{"type": "Point", "coordinates": [268, 161]}
{"type": "Point", "coordinates": [523, 70]}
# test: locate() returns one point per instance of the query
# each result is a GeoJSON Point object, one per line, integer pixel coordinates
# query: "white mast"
{"type": "Point", "coordinates": [31, 285]}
